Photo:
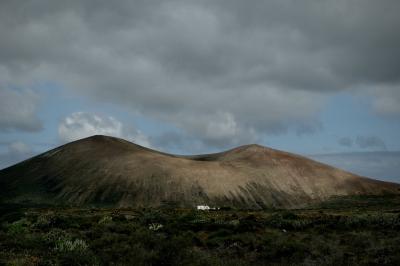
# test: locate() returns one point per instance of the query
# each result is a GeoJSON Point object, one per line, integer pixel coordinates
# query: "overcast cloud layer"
{"type": "Point", "coordinates": [224, 72]}
{"type": "Point", "coordinates": [18, 110]}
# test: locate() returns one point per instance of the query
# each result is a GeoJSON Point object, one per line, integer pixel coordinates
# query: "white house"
{"type": "Point", "coordinates": [203, 207]}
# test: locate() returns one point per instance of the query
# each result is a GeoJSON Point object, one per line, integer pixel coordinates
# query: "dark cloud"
{"type": "Point", "coordinates": [363, 142]}
{"type": "Point", "coordinates": [346, 142]}
{"type": "Point", "coordinates": [309, 127]}
{"type": "Point", "coordinates": [221, 71]}
{"type": "Point", "coordinates": [380, 165]}
{"type": "Point", "coordinates": [387, 99]}
{"type": "Point", "coordinates": [18, 110]}
{"type": "Point", "coordinates": [370, 142]}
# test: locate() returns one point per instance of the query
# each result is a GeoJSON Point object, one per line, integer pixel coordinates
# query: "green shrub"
{"type": "Point", "coordinates": [248, 223]}
{"type": "Point", "coordinates": [289, 215]}
{"type": "Point", "coordinates": [155, 226]}
{"type": "Point", "coordinates": [19, 227]}
{"type": "Point", "coordinates": [174, 250]}
{"type": "Point", "coordinates": [65, 245]}
{"type": "Point", "coordinates": [24, 260]}
{"type": "Point", "coordinates": [152, 216]}
{"type": "Point", "coordinates": [75, 252]}
{"type": "Point", "coordinates": [54, 235]}
{"type": "Point", "coordinates": [44, 221]}
{"type": "Point", "coordinates": [105, 220]}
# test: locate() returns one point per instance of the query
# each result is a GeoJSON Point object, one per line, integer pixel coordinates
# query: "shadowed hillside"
{"type": "Point", "coordinates": [108, 171]}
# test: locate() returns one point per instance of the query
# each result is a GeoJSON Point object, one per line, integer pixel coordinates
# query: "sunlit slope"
{"type": "Point", "coordinates": [106, 171]}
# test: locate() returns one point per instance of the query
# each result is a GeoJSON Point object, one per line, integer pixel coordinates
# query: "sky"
{"type": "Point", "coordinates": [318, 78]}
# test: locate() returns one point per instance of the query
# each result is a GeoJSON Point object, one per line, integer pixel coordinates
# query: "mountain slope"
{"type": "Point", "coordinates": [102, 170]}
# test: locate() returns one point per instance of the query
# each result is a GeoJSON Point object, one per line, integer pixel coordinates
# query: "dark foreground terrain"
{"type": "Point", "coordinates": [356, 230]}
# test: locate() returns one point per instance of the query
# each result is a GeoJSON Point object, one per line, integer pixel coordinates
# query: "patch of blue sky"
{"type": "Point", "coordinates": [344, 116]}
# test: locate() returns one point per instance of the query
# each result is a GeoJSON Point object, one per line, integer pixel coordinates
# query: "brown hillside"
{"type": "Point", "coordinates": [109, 171]}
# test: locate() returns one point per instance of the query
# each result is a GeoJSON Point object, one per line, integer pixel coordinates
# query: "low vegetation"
{"type": "Point", "coordinates": [345, 231]}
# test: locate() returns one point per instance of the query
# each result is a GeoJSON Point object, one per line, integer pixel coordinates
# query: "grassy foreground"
{"type": "Point", "coordinates": [343, 231]}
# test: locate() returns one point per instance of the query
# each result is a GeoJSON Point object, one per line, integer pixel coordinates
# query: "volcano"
{"type": "Point", "coordinates": [108, 171]}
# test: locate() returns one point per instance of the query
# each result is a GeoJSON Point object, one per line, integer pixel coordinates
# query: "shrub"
{"type": "Point", "coordinates": [248, 223]}
{"type": "Point", "coordinates": [24, 260]}
{"type": "Point", "coordinates": [152, 216]}
{"type": "Point", "coordinates": [174, 250]}
{"type": "Point", "coordinates": [105, 220]}
{"type": "Point", "coordinates": [155, 226]}
{"type": "Point", "coordinates": [54, 235]}
{"type": "Point", "coordinates": [19, 227]}
{"type": "Point", "coordinates": [44, 221]}
{"type": "Point", "coordinates": [75, 252]}
{"type": "Point", "coordinates": [76, 246]}
{"type": "Point", "coordinates": [288, 215]}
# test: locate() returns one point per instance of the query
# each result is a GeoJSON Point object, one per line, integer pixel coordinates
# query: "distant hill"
{"type": "Point", "coordinates": [382, 165]}
{"type": "Point", "coordinates": [107, 171]}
